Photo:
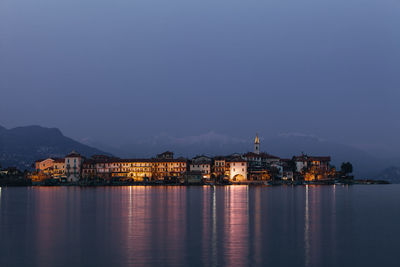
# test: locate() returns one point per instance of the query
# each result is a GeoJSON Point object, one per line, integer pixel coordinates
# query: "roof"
{"type": "Point", "coordinates": [167, 152]}
{"type": "Point", "coordinates": [59, 160]}
{"type": "Point", "coordinates": [311, 158]}
{"type": "Point", "coordinates": [73, 154]}
{"type": "Point", "coordinates": [237, 160]}
{"type": "Point", "coordinates": [261, 155]}
{"type": "Point", "coordinates": [118, 160]}
{"type": "Point", "coordinates": [201, 162]}
{"type": "Point", "coordinates": [169, 160]}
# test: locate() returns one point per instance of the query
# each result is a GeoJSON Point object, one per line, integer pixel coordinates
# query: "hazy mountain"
{"type": "Point", "coordinates": [365, 164]}
{"type": "Point", "coordinates": [21, 146]}
{"type": "Point", "coordinates": [391, 174]}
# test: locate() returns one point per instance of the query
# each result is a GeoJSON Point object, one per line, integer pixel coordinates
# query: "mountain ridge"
{"type": "Point", "coordinates": [21, 146]}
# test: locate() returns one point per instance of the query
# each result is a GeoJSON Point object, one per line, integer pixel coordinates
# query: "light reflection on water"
{"type": "Point", "coordinates": [200, 226]}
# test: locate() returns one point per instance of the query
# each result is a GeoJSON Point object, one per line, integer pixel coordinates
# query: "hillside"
{"type": "Point", "coordinates": [21, 146]}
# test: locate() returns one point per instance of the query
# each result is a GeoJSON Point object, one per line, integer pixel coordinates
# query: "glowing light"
{"type": "Point", "coordinates": [307, 231]}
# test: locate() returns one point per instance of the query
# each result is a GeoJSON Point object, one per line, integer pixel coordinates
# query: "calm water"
{"type": "Point", "coordinates": [194, 226]}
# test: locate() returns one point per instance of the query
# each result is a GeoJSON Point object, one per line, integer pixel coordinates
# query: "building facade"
{"type": "Point", "coordinates": [73, 165]}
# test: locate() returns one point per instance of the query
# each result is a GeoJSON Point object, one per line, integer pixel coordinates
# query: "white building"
{"type": "Point", "coordinates": [202, 164]}
{"type": "Point", "coordinates": [237, 170]}
{"type": "Point", "coordinates": [73, 166]}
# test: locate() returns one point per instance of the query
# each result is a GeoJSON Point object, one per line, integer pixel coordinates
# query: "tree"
{"type": "Point", "coordinates": [292, 165]}
{"type": "Point", "coordinates": [273, 172]}
{"type": "Point", "coordinates": [346, 168]}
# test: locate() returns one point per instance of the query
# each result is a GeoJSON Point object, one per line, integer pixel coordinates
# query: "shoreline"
{"type": "Point", "coordinates": [22, 183]}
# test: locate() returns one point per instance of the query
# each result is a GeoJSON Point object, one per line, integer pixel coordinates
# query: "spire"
{"type": "Point", "coordinates": [257, 145]}
{"type": "Point", "coordinates": [257, 141]}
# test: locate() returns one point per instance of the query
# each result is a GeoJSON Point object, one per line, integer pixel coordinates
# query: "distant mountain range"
{"type": "Point", "coordinates": [21, 146]}
{"type": "Point", "coordinates": [391, 174]}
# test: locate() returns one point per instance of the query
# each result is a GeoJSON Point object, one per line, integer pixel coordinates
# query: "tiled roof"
{"type": "Point", "coordinates": [308, 158]}
{"type": "Point", "coordinates": [117, 160]}
{"type": "Point", "coordinates": [261, 155]}
{"type": "Point", "coordinates": [73, 154]}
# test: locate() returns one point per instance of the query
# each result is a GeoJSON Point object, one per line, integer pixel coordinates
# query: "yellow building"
{"type": "Point", "coordinates": [166, 168]}
{"type": "Point", "coordinates": [51, 167]}
{"type": "Point", "coordinates": [137, 169]}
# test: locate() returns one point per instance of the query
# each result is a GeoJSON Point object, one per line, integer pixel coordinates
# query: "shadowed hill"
{"type": "Point", "coordinates": [21, 146]}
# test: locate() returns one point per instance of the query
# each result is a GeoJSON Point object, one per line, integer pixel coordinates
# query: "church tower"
{"type": "Point", "coordinates": [257, 145]}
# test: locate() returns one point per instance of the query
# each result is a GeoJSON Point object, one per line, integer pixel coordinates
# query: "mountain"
{"type": "Point", "coordinates": [21, 146]}
{"type": "Point", "coordinates": [391, 174]}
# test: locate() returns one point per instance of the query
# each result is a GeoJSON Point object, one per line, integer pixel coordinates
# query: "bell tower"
{"type": "Point", "coordinates": [257, 145]}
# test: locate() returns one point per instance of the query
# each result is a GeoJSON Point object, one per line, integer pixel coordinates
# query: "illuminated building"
{"type": "Point", "coordinates": [51, 167]}
{"type": "Point", "coordinates": [259, 163]}
{"type": "Point", "coordinates": [313, 168]}
{"type": "Point", "coordinates": [137, 169]}
{"type": "Point", "coordinates": [58, 168]}
{"type": "Point", "coordinates": [219, 168]}
{"type": "Point", "coordinates": [164, 169]}
{"type": "Point", "coordinates": [134, 169]}
{"type": "Point", "coordinates": [202, 164]}
{"type": "Point", "coordinates": [237, 170]}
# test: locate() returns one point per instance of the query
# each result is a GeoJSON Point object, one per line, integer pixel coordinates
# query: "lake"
{"type": "Point", "coordinates": [200, 226]}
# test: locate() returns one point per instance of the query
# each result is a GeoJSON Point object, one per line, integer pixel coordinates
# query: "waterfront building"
{"type": "Point", "coordinates": [237, 170]}
{"type": "Point", "coordinates": [220, 167]}
{"type": "Point", "coordinates": [73, 165]}
{"type": "Point", "coordinates": [260, 163]}
{"type": "Point", "coordinates": [193, 177]}
{"type": "Point", "coordinates": [202, 164]}
{"type": "Point", "coordinates": [58, 168]}
{"type": "Point", "coordinates": [44, 164]}
{"type": "Point", "coordinates": [89, 170]}
{"type": "Point", "coordinates": [99, 166]}
{"type": "Point", "coordinates": [167, 169]}
{"type": "Point", "coordinates": [138, 170]}
{"type": "Point", "coordinates": [51, 167]}
{"type": "Point", "coordinates": [313, 168]}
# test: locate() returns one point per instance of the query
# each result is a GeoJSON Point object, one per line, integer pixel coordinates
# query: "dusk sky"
{"type": "Point", "coordinates": [117, 71]}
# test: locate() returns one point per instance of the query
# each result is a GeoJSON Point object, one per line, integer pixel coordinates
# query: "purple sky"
{"type": "Point", "coordinates": [116, 71]}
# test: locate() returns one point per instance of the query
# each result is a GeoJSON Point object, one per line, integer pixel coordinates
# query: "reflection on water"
{"type": "Point", "coordinates": [210, 226]}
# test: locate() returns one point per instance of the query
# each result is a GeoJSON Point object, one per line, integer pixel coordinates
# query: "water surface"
{"type": "Point", "coordinates": [195, 226]}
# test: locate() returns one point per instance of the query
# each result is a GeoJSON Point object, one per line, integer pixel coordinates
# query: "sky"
{"type": "Point", "coordinates": [123, 70]}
